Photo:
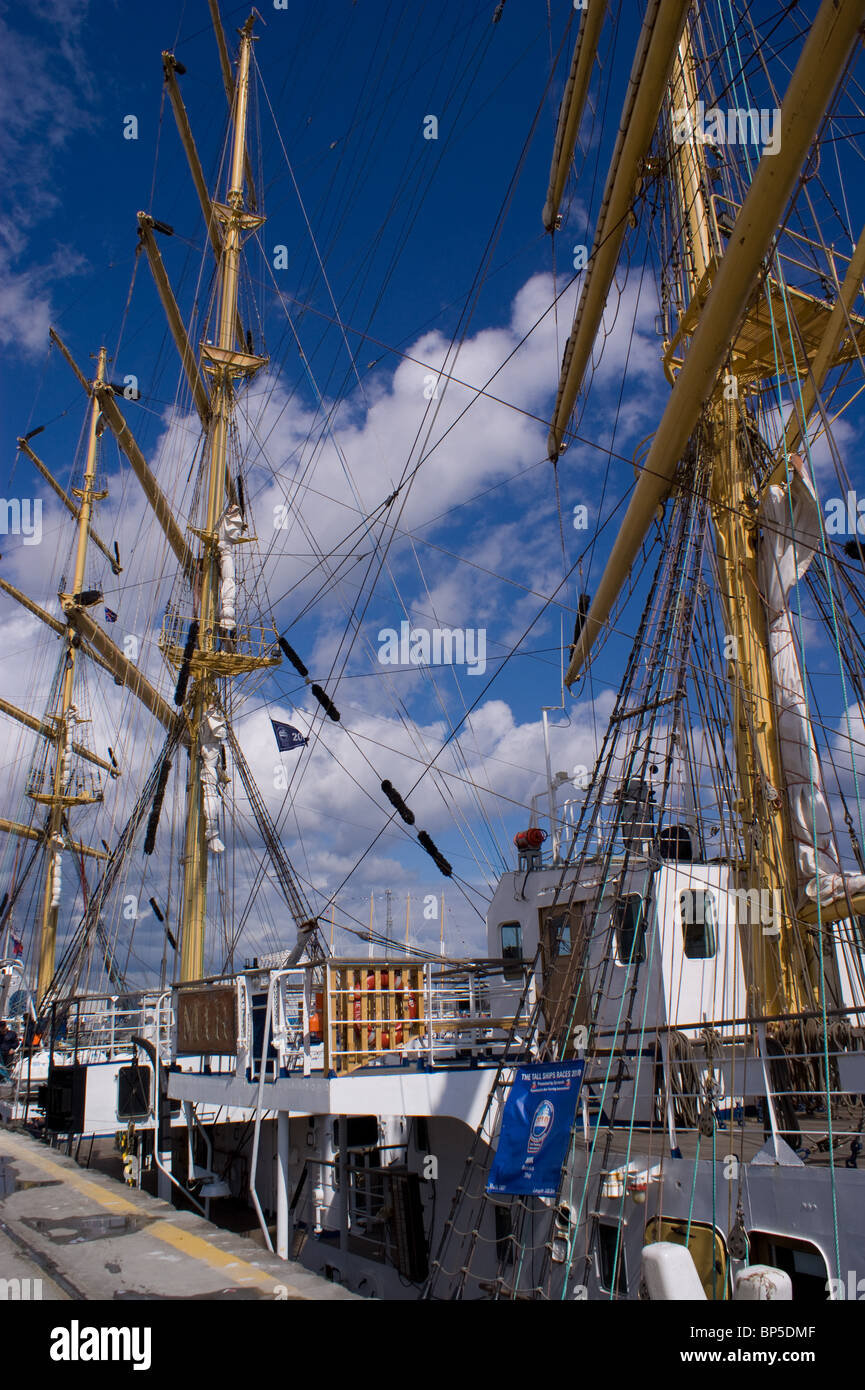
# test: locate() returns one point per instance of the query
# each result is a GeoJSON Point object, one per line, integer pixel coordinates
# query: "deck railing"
{"type": "Point", "coordinates": [440, 1014]}
{"type": "Point", "coordinates": [339, 1016]}
{"type": "Point", "coordinates": [100, 1027]}
{"type": "Point", "coordinates": [792, 1086]}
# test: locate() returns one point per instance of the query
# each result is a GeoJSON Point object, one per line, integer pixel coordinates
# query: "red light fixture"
{"type": "Point", "coordinates": [530, 839]}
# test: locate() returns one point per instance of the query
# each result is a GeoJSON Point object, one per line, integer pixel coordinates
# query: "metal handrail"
{"type": "Point", "coordinates": [262, 1073]}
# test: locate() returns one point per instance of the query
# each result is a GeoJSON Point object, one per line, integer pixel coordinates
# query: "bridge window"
{"type": "Point", "coordinates": [629, 919]}
{"type": "Point", "coordinates": [697, 906]}
{"type": "Point", "coordinates": [558, 934]}
{"type": "Point", "coordinates": [674, 842]}
{"type": "Point", "coordinates": [512, 947]}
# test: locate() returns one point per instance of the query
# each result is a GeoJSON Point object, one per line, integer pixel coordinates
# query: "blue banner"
{"type": "Point", "coordinates": [287, 736]}
{"type": "Point", "coordinates": [536, 1129]}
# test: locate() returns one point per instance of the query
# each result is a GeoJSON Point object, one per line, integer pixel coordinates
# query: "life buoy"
{"type": "Point", "coordinates": [370, 994]}
{"type": "Point", "coordinates": [357, 1002]}
{"type": "Point", "coordinates": [315, 1019]}
{"type": "Point", "coordinates": [399, 1004]}
{"type": "Point", "coordinates": [385, 1032]}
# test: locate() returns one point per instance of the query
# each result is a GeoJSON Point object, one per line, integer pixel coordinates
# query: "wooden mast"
{"type": "Point", "coordinates": [719, 286]}
{"type": "Point", "coordinates": [125, 439]}
{"type": "Point", "coordinates": [821, 62]}
{"type": "Point", "coordinates": [61, 794]}
{"type": "Point", "coordinates": [223, 362]}
{"type": "Point", "coordinates": [775, 981]}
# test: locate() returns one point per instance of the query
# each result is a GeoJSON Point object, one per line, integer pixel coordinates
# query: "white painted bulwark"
{"type": "Point", "coordinates": [461, 1094]}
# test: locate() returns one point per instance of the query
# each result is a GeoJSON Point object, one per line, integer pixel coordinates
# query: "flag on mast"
{"type": "Point", "coordinates": [287, 736]}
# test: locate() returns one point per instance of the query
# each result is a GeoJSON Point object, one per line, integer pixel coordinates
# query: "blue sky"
{"type": "Point", "coordinates": [402, 226]}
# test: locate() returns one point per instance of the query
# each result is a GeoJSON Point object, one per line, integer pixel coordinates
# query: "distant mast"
{"type": "Point", "coordinates": [62, 794]}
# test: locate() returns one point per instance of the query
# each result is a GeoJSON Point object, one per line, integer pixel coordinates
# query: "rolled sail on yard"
{"type": "Point", "coordinates": [653, 64]}
{"type": "Point", "coordinates": [573, 106]}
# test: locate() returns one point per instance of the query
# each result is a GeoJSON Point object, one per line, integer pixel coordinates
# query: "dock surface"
{"type": "Point", "coordinates": [88, 1237]}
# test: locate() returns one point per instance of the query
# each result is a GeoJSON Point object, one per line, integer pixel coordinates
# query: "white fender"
{"type": "Point", "coordinates": [762, 1284]}
{"type": "Point", "coordinates": [670, 1274]}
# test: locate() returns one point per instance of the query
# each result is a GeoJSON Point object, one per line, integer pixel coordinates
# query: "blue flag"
{"type": "Point", "coordinates": [287, 736]}
{"type": "Point", "coordinates": [536, 1129]}
{"type": "Point", "coordinates": [110, 615]}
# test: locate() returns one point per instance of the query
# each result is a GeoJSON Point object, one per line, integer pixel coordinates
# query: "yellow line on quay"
{"type": "Point", "coordinates": [185, 1242]}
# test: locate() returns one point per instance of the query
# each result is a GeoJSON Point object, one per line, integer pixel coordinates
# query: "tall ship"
{"type": "Point", "coordinates": [648, 1080]}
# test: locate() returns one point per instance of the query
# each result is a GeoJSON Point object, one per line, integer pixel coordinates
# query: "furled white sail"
{"type": "Point", "coordinates": [231, 531]}
{"type": "Point", "coordinates": [56, 870]}
{"type": "Point", "coordinates": [66, 757]}
{"type": "Point", "coordinates": [790, 517]}
{"type": "Point", "coordinates": [213, 732]}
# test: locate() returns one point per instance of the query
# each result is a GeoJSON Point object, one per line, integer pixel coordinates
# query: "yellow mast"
{"type": "Point", "coordinates": [223, 362]}
{"type": "Point", "coordinates": [721, 315]}
{"type": "Point", "coordinates": [821, 62]}
{"type": "Point", "coordinates": [769, 859]}
{"type": "Point", "coordinates": [58, 799]}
